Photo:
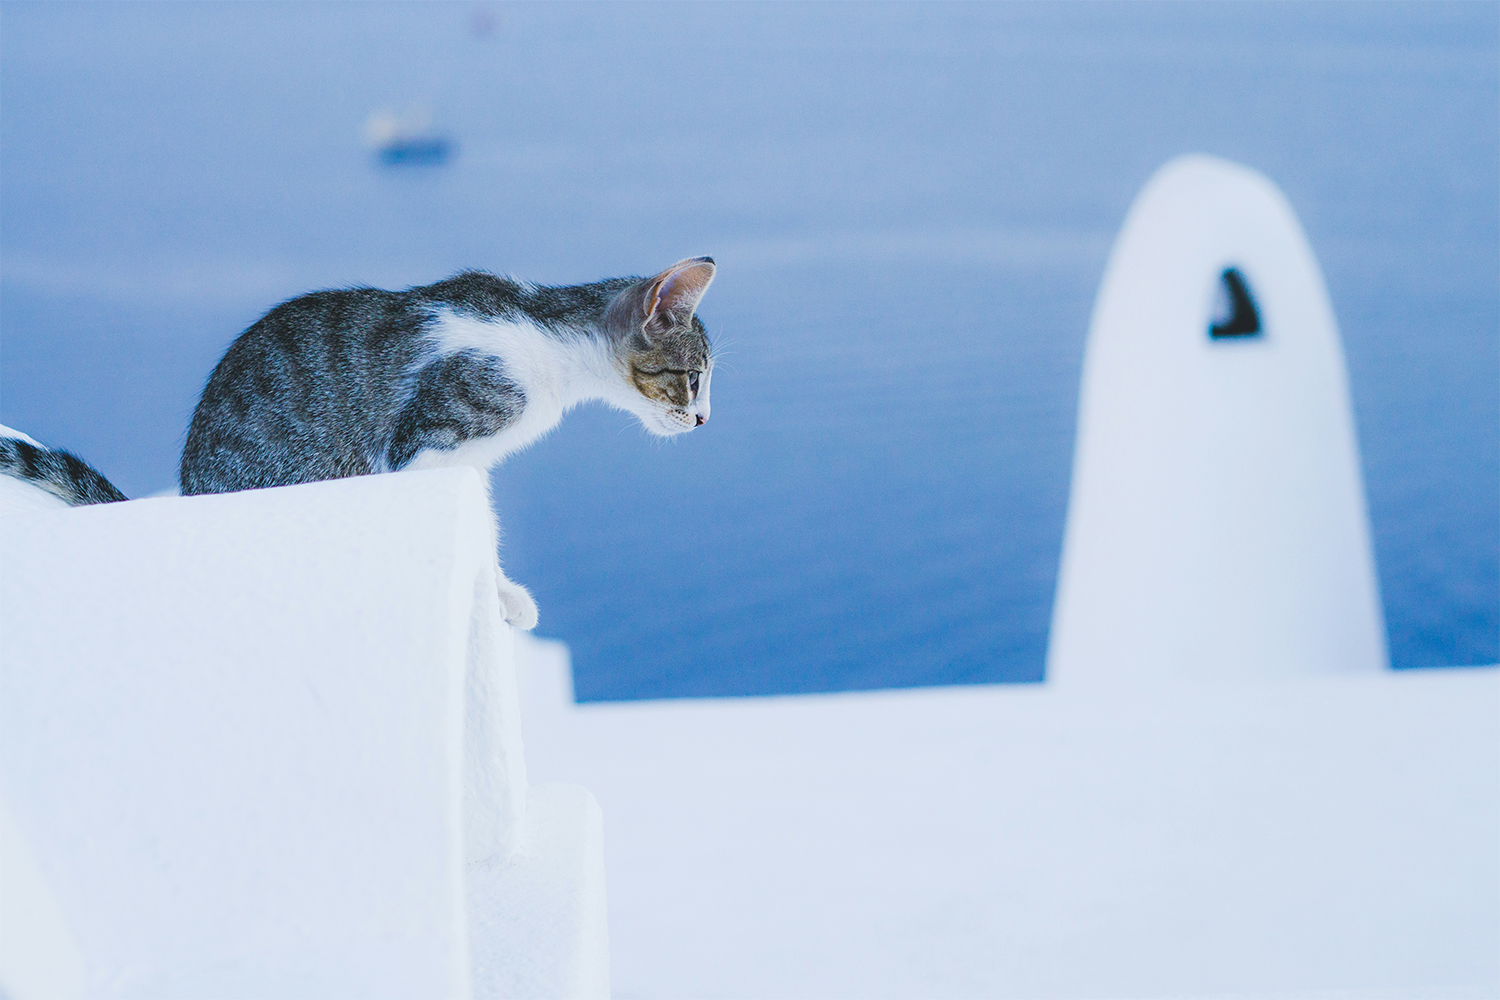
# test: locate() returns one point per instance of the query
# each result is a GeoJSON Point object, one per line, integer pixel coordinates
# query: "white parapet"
{"type": "Point", "coordinates": [1327, 836]}
{"type": "Point", "coordinates": [268, 744]}
{"type": "Point", "coordinates": [1216, 525]}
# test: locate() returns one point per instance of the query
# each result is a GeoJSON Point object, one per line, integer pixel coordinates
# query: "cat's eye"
{"type": "Point", "coordinates": [693, 381]}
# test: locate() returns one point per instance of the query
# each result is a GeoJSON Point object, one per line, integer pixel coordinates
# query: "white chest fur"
{"type": "Point", "coordinates": [554, 373]}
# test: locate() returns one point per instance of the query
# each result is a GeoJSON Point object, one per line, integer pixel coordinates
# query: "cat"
{"type": "Point", "coordinates": [465, 371]}
{"type": "Point", "coordinates": [42, 478]}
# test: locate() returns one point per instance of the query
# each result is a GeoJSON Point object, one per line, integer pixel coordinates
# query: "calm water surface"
{"type": "Point", "coordinates": [911, 208]}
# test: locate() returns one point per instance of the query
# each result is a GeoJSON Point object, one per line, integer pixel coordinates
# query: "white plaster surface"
{"type": "Point", "coordinates": [1327, 836]}
{"type": "Point", "coordinates": [557, 945]}
{"type": "Point", "coordinates": [267, 744]}
{"type": "Point", "coordinates": [24, 498]}
{"type": "Point", "coordinates": [232, 728]}
{"type": "Point", "coordinates": [39, 957]}
{"type": "Point", "coordinates": [1216, 521]}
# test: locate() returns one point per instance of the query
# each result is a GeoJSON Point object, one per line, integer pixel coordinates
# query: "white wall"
{"type": "Point", "coordinates": [1327, 836]}
{"type": "Point", "coordinates": [1216, 521]}
{"type": "Point", "coordinates": [268, 744]}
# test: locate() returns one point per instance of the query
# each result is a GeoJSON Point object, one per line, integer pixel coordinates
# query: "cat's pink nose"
{"type": "Point", "coordinates": [701, 420]}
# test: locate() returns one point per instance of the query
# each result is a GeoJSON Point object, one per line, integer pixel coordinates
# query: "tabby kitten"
{"type": "Point", "coordinates": [462, 372]}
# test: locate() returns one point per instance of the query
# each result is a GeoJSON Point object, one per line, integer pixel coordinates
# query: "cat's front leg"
{"type": "Point", "coordinates": [516, 603]}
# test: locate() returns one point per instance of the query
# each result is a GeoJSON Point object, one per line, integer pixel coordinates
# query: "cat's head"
{"type": "Point", "coordinates": [662, 348]}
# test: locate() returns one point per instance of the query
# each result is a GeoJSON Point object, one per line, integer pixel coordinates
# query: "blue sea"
{"type": "Point", "coordinates": [910, 206]}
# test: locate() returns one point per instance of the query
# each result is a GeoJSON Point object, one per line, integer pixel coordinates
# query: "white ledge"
{"type": "Point", "coordinates": [268, 744]}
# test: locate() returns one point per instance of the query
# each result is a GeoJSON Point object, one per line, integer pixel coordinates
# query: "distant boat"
{"type": "Point", "coordinates": [416, 149]}
{"type": "Point", "coordinates": [408, 138]}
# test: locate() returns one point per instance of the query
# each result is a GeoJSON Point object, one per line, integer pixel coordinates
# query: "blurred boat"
{"type": "Point", "coordinates": [407, 138]}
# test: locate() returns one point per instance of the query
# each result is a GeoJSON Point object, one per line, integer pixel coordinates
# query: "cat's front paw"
{"type": "Point", "coordinates": [517, 605]}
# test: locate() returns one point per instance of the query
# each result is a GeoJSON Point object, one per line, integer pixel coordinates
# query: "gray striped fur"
{"type": "Point", "coordinates": [61, 473]}
{"type": "Point", "coordinates": [359, 381]}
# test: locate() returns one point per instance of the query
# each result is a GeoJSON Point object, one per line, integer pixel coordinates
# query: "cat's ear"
{"type": "Point", "coordinates": [677, 291]}
{"type": "Point", "coordinates": [667, 300]}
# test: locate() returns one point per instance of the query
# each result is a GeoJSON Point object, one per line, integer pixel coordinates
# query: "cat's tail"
{"type": "Point", "coordinates": [60, 473]}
